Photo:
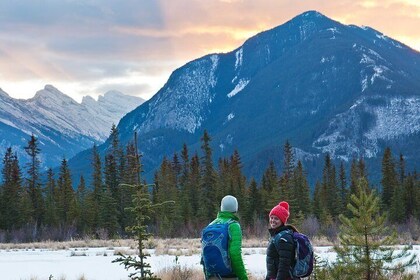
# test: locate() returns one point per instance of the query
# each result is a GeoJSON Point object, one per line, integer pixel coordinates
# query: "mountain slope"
{"type": "Point", "coordinates": [63, 126]}
{"type": "Point", "coordinates": [324, 86]}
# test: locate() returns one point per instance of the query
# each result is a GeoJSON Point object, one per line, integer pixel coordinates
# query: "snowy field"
{"type": "Point", "coordinates": [95, 263]}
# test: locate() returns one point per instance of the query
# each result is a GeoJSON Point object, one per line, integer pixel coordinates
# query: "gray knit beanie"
{"type": "Point", "coordinates": [229, 204]}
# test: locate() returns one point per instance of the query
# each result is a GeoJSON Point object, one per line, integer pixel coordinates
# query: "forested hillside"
{"type": "Point", "coordinates": [36, 208]}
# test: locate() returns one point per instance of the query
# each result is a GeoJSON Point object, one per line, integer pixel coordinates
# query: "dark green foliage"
{"type": "Point", "coordinates": [11, 192]}
{"type": "Point", "coordinates": [67, 208]}
{"type": "Point", "coordinates": [51, 200]}
{"type": "Point", "coordinates": [270, 189]}
{"type": "Point", "coordinates": [207, 207]}
{"type": "Point", "coordinates": [33, 181]}
{"type": "Point", "coordinates": [301, 192]}
{"type": "Point", "coordinates": [389, 178]}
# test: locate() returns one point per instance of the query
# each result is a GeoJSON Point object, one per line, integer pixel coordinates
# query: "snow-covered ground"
{"type": "Point", "coordinates": [95, 263]}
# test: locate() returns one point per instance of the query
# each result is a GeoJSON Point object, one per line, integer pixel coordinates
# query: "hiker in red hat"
{"type": "Point", "coordinates": [281, 250]}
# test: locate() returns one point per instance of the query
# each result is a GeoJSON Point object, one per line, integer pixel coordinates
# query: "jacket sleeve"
{"type": "Point", "coordinates": [235, 251]}
{"type": "Point", "coordinates": [285, 249]}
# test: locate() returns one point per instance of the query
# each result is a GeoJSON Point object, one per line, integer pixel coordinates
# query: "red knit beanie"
{"type": "Point", "coordinates": [281, 211]}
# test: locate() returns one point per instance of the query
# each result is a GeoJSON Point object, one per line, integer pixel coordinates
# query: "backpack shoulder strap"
{"type": "Point", "coordinates": [280, 235]}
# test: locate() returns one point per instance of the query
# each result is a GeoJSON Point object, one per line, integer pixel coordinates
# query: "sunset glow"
{"type": "Point", "coordinates": [89, 47]}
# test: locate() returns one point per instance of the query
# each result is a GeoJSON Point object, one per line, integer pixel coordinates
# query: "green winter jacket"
{"type": "Point", "coordinates": [235, 243]}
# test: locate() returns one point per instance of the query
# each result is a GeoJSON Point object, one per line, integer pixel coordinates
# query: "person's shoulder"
{"type": "Point", "coordinates": [292, 228]}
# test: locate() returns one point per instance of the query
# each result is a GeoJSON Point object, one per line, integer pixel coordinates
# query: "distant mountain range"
{"type": "Point", "coordinates": [326, 87]}
{"type": "Point", "coordinates": [63, 126]}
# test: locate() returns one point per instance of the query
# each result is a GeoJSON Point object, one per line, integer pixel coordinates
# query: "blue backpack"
{"type": "Point", "coordinates": [304, 254]}
{"type": "Point", "coordinates": [214, 245]}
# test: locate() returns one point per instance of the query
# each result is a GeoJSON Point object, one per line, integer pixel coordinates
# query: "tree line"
{"type": "Point", "coordinates": [32, 208]}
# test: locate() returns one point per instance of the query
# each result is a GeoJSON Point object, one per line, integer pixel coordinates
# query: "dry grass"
{"type": "Point", "coordinates": [171, 246]}
{"type": "Point", "coordinates": [185, 273]}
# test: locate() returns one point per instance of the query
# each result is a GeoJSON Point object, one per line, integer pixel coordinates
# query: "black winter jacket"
{"type": "Point", "coordinates": [281, 257]}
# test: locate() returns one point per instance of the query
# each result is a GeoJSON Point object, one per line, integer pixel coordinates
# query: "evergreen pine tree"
{"type": "Point", "coordinates": [186, 189]}
{"type": "Point", "coordinates": [354, 178]}
{"type": "Point", "coordinates": [208, 205]}
{"type": "Point", "coordinates": [108, 215]}
{"type": "Point", "coordinates": [270, 189]}
{"type": "Point", "coordinates": [411, 196]}
{"type": "Point", "coordinates": [317, 207]}
{"type": "Point", "coordinates": [254, 211]}
{"type": "Point", "coordinates": [301, 191]}
{"type": "Point", "coordinates": [33, 181]}
{"type": "Point", "coordinates": [83, 204]}
{"type": "Point", "coordinates": [142, 210]}
{"type": "Point", "coordinates": [194, 181]}
{"type": "Point", "coordinates": [342, 185]}
{"type": "Point", "coordinates": [238, 180]}
{"type": "Point", "coordinates": [288, 161]}
{"type": "Point", "coordinates": [389, 179]}
{"type": "Point", "coordinates": [66, 197]}
{"type": "Point", "coordinates": [10, 192]}
{"type": "Point", "coordinates": [51, 200]}
{"type": "Point", "coordinates": [401, 169]}
{"type": "Point", "coordinates": [365, 247]}
{"type": "Point", "coordinates": [165, 183]}
{"type": "Point", "coordinates": [97, 182]}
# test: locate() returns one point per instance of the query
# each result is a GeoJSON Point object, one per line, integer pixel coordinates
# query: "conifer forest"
{"type": "Point", "coordinates": [36, 206]}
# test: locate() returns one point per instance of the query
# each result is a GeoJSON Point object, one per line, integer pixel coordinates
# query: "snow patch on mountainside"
{"type": "Point", "coordinates": [182, 106]}
{"type": "Point", "coordinates": [345, 137]}
{"type": "Point", "coordinates": [375, 67]}
{"type": "Point", "coordinates": [238, 55]}
{"type": "Point", "coordinates": [399, 117]}
{"type": "Point", "coordinates": [239, 87]}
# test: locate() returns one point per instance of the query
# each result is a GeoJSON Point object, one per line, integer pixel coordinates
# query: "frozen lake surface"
{"type": "Point", "coordinates": [96, 263]}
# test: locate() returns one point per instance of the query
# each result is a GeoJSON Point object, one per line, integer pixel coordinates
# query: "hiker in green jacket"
{"type": "Point", "coordinates": [227, 214]}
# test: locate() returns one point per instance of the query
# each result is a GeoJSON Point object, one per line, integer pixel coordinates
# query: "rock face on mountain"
{"type": "Point", "coordinates": [326, 87]}
{"type": "Point", "coordinates": [63, 126]}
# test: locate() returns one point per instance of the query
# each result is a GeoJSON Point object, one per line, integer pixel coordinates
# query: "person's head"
{"type": "Point", "coordinates": [279, 214]}
{"type": "Point", "coordinates": [229, 204]}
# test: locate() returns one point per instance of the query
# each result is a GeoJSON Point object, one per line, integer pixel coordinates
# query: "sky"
{"type": "Point", "coordinates": [87, 47]}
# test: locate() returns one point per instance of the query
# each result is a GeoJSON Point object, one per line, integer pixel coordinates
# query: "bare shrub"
{"type": "Point", "coordinates": [413, 227]}
{"type": "Point", "coordinates": [310, 226]}
{"type": "Point", "coordinates": [102, 234]}
{"type": "Point", "coordinates": [331, 231]}
{"type": "Point", "coordinates": [3, 235]}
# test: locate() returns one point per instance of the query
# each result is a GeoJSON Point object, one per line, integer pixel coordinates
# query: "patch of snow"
{"type": "Point", "coordinates": [366, 60]}
{"type": "Point", "coordinates": [379, 70]}
{"type": "Point", "coordinates": [375, 54]}
{"type": "Point", "coordinates": [239, 55]}
{"type": "Point", "coordinates": [96, 263]}
{"type": "Point", "coordinates": [381, 36]}
{"type": "Point", "coordinates": [240, 86]}
{"type": "Point", "coordinates": [364, 84]}
{"type": "Point", "coordinates": [334, 31]}
{"type": "Point", "coordinates": [399, 117]}
{"type": "Point", "coordinates": [222, 147]}
{"type": "Point", "coordinates": [215, 62]}
{"type": "Point", "coordinates": [345, 136]}
{"type": "Point", "coordinates": [327, 59]}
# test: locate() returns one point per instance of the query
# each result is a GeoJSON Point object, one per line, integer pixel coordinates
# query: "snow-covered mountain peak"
{"type": "Point", "coordinates": [52, 94]}
{"type": "Point", "coordinates": [63, 126]}
{"type": "Point", "coordinates": [3, 94]}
